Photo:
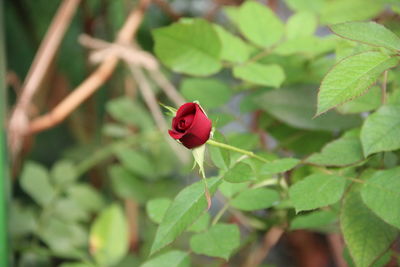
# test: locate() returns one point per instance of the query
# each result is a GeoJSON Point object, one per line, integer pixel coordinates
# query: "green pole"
{"type": "Point", "coordinates": [4, 252]}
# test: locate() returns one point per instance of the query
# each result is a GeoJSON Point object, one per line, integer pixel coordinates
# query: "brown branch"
{"type": "Point", "coordinates": [167, 87]}
{"type": "Point", "coordinates": [151, 101]}
{"type": "Point", "coordinates": [336, 244]}
{"type": "Point", "coordinates": [95, 80]}
{"type": "Point", "coordinates": [18, 122]}
{"type": "Point", "coordinates": [270, 239]}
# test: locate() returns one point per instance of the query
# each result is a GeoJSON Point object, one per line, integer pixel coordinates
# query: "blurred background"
{"type": "Point", "coordinates": [87, 145]}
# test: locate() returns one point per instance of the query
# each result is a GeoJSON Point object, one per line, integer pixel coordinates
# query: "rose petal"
{"type": "Point", "coordinates": [175, 135]}
{"type": "Point", "coordinates": [199, 132]}
{"type": "Point", "coordinates": [186, 109]}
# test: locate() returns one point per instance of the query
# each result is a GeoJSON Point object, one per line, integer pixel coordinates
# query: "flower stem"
{"type": "Point", "coordinates": [235, 149]}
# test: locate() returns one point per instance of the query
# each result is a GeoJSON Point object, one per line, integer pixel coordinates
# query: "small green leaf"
{"type": "Point", "coordinates": [355, 10]}
{"type": "Point", "coordinates": [190, 46]}
{"type": "Point", "coordinates": [239, 173]}
{"type": "Point", "coordinates": [259, 24]}
{"type": "Point", "coordinates": [268, 75]}
{"type": "Point", "coordinates": [230, 189]}
{"type": "Point", "coordinates": [136, 162]}
{"type": "Point", "coordinates": [301, 24]}
{"type": "Point", "coordinates": [351, 78]}
{"type": "Point", "coordinates": [109, 236]}
{"type": "Point", "coordinates": [279, 103]}
{"type": "Point", "coordinates": [63, 238]}
{"type": "Point", "coordinates": [255, 199]}
{"type": "Point", "coordinates": [313, 220]}
{"type": "Point", "coordinates": [211, 93]}
{"type": "Point", "coordinates": [187, 206]}
{"type": "Point", "coordinates": [201, 224]}
{"type": "Point", "coordinates": [63, 173]}
{"type": "Point", "coordinates": [219, 241]}
{"type": "Point", "coordinates": [173, 258]}
{"type": "Point", "coordinates": [306, 5]}
{"type": "Point", "coordinates": [340, 152]}
{"type": "Point", "coordinates": [35, 181]}
{"type": "Point", "coordinates": [381, 130]}
{"type": "Point", "coordinates": [220, 157]}
{"type": "Point", "coordinates": [278, 166]}
{"type": "Point", "coordinates": [156, 208]}
{"type": "Point", "coordinates": [370, 33]}
{"type": "Point", "coordinates": [121, 109]}
{"type": "Point", "coordinates": [86, 196]}
{"type": "Point", "coordinates": [366, 236]}
{"type": "Point", "coordinates": [126, 184]}
{"type": "Point", "coordinates": [381, 194]}
{"type": "Point", "coordinates": [371, 100]}
{"type": "Point", "coordinates": [317, 190]}
{"type": "Point", "coordinates": [233, 48]}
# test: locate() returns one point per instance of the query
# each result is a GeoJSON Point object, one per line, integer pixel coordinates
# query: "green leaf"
{"type": "Point", "coordinates": [355, 10]}
{"type": "Point", "coordinates": [370, 33]}
{"type": "Point", "coordinates": [109, 236]}
{"type": "Point", "coordinates": [233, 48]}
{"type": "Point", "coordinates": [22, 220]}
{"type": "Point", "coordinates": [366, 236]}
{"type": "Point", "coordinates": [136, 162]}
{"type": "Point", "coordinates": [190, 46]}
{"type": "Point", "coordinates": [156, 208]}
{"type": "Point", "coordinates": [301, 24]}
{"type": "Point", "coordinates": [340, 152]}
{"type": "Point", "coordinates": [211, 93]}
{"type": "Point", "coordinates": [381, 130]}
{"type": "Point", "coordinates": [317, 190]}
{"type": "Point", "coordinates": [63, 173]}
{"type": "Point", "coordinates": [86, 196]}
{"type": "Point", "coordinates": [63, 238]}
{"type": "Point", "coordinates": [371, 100]}
{"type": "Point", "coordinates": [308, 46]}
{"type": "Point", "coordinates": [219, 241]}
{"type": "Point", "coordinates": [259, 24]}
{"type": "Point", "coordinates": [278, 166]}
{"type": "Point", "coordinates": [201, 224]}
{"type": "Point", "coordinates": [173, 258]}
{"type": "Point", "coordinates": [313, 220]}
{"type": "Point", "coordinates": [239, 173]}
{"type": "Point", "coordinates": [268, 75]}
{"type": "Point", "coordinates": [35, 181]}
{"type": "Point", "coordinates": [255, 199]}
{"type": "Point", "coordinates": [220, 157]}
{"type": "Point", "coordinates": [351, 78]}
{"type": "Point", "coordinates": [280, 104]}
{"type": "Point", "coordinates": [382, 195]}
{"type": "Point", "coordinates": [127, 185]}
{"type": "Point", "coordinates": [121, 109]}
{"type": "Point", "coordinates": [230, 189]}
{"type": "Point", "coordinates": [306, 5]}
{"type": "Point", "coordinates": [187, 206]}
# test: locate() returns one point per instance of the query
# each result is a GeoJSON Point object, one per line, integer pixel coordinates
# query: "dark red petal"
{"type": "Point", "coordinates": [199, 132]}
{"type": "Point", "coordinates": [175, 134]}
{"type": "Point", "coordinates": [185, 109]}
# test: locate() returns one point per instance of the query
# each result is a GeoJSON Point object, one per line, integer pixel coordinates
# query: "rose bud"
{"type": "Point", "coordinates": [191, 125]}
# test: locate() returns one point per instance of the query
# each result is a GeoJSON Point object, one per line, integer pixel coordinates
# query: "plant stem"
{"type": "Point", "coordinates": [235, 149]}
{"type": "Point", "coordinates": [220, 213]}
{"type": "Point", "coordinates": [384, 85]}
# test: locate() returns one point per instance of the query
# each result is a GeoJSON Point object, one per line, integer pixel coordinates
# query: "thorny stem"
{"type": "Point", "coordinates": [236, 149]}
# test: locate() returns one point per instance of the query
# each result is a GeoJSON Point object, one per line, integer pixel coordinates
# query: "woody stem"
{"type": "Point", "coordinates": [236, 149]}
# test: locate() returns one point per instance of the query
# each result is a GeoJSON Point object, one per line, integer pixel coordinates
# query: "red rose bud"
{"type": "Point", "coordinates": [191, 126]}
